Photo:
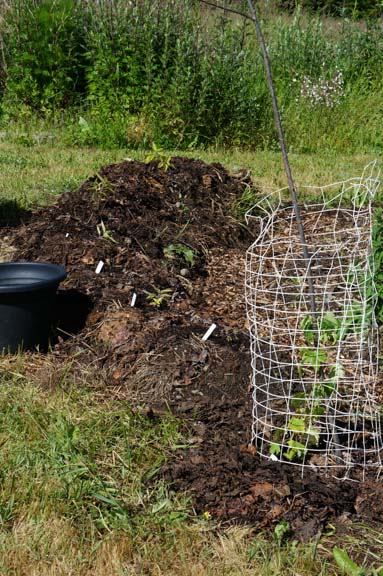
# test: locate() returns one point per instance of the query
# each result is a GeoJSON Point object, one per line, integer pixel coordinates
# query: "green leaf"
{"type": "Point", "coordinates": [296, 449]}
{"type": "Point", "coordinates": [346, 564]}
{"type": "Point", "coordinates": [281, 529]}
{"type": "Point", "coordinates": [297, 425]}
{"type": "Point", "coordinates": [107, 500]}
{"type": "Point", "coordinates": [317, 411]}
{"type": "Point", "coordinates": [299, 401]}
{"type": "Point", "coordinates": [274, 448]}
{"type": "Point", "coordinates": [352, 320]}
{"type": "Point", "coordinates": [161, 505]}
{"type": "Point", "coordinates": [188, 254]}
{"type": "Point", "coordinates": [306, 324]}
{"type": "Point", "coordinates": [337, 371]}
{"type": "Point", "coordinates": [314, 357]}
{"type": "Point", "coordinates": [329, 328]}
{"type": "Point", "coordinates": [84, 125]}
{"type": "Point", "coordinates": [314, 432]}
{"type": "Point", "coordinates": [328, 388]}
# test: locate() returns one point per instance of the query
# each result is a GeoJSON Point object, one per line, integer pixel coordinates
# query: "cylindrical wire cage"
{"type": "Point", "coordinates": [317, 395]}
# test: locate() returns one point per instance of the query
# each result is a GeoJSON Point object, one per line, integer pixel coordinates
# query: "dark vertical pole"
{"type": "Point", "coordinates": [306, 255]}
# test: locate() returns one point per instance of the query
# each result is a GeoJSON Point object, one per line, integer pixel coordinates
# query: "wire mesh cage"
{"type": "Point", "coordinates": [316, 390]}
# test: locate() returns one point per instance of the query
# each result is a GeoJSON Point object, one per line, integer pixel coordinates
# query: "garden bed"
{"type": "Point", "coordinates": [169, 244]}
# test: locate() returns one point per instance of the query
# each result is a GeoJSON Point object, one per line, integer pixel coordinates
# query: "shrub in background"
{"type": "Point", "coordinates": [45, 57]}
{"type": "Point", "coordinates": [345, 8]}
{"type": "Point", "coordinates": [182, 75]}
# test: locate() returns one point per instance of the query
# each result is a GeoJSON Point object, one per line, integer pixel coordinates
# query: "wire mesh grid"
{"type": "Point", "coordinates": [316, 385]}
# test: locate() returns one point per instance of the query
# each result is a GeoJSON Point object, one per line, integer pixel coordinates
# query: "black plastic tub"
{"type": "Point", "coordinates": [27, 297]}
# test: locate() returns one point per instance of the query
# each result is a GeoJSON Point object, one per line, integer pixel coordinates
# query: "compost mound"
{"type": "Point", "coordinates": [169, 244]}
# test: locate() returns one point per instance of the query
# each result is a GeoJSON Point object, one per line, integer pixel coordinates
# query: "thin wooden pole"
{"type": "Point", "coordinates": [290, 180]}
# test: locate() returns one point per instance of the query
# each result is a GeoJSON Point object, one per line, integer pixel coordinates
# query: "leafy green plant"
{"type": "Point", "coordinates": [296, 450]}
{"type": "Point", "coordinates": [159, 155]}
{"type": "Point", "coordinates": [101, 188]}
{"type": "Point", "coordinates": [302, 429]}
{"type": "Point", "coordinates": [159, 296]}
{"type": "Point", "coordinates": [346, 564]}
{"type": "Point", "coordinates": [187, 254]}
{"type": "Point", "coordinates": [328, 328]}
{"type": "Point", "coordinates": [46, 56]}
{"type": "Point", "coordinates": [303, 434]}
{"type": "Point", "coordinates": [333, 328]}
{"type": "Point", "coordinates": [314, 357]}
{"type": "Point", "coordinates": [281, 530]}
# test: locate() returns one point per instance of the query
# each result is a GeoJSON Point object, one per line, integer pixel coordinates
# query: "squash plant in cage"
{"type": "Point", "coordinates": [316, 393]}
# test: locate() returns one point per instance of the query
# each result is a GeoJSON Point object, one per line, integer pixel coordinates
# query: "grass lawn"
{"type": "Point", "coordinates": [78, 491]}
{"type": "Point", "coordinates": [37, 173]}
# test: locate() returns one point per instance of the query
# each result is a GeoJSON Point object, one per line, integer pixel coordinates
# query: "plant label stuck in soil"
{"type": "Point", "coordinates": [209, 332]}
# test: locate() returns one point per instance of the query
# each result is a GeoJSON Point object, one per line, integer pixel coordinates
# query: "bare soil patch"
{"type": "Point", "coordinates": [170, 238]}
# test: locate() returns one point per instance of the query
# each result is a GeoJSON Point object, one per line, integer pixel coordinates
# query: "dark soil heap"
{"type": "Point", "coordinates": [170, 238]}
{"type": "Point", "coordinates": [130, 215]}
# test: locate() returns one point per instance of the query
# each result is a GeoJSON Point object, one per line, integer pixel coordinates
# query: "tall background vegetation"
{"type": "Point", "coordinates": [175, 72]}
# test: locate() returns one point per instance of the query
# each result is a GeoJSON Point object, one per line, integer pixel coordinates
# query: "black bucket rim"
{"type": "Point", "coordinates": [54, 274]}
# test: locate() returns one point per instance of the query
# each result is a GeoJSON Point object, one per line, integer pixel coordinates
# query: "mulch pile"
{"type": "Point", "coordinates": [170, 238]}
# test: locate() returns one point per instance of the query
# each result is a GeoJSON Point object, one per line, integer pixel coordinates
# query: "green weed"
{"type": "Point", "coordinates": [159, 155]}
{"type": "Point", "coordinates": [104, 233]}
{"type": "Point", "coordinates": [187, 254]}
{"type": "Point", "coordinates": [159, 296]}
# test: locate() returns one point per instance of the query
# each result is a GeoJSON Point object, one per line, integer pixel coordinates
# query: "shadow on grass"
{"type": "Point", "coordinates": [12, 214]}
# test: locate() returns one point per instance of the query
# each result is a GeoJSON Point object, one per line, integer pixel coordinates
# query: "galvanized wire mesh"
{"type": "Point", "coordinates": [317, 390]}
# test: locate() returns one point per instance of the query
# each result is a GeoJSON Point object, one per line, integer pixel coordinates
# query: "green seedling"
{"type": "Point", "coordinates": [159, 296]}
{"type": "Point", "coordinates": [313, 357]}
{"type": "Point", "coordinates": [187, 253]}
{"type": "Point", "coordinates": [275, 448]}
{"type": "Point", "coordinates": [163, 160]}
{"type": "Point", "coordinates": [104, 233]}
{"type": "Point", "coordinates": [328, 329]}
{"type": "Point", "coordinates": [306, 433]}
{"type": "Point", "coordinates": [328, 386]}
{"type": "Point", "coordinates": [281, 530]}
{"type": "Point", "coordinates": [183, 207]}
{"type": "Point", "coordinates": [302, 436]}
{"type": "Point", "coordinates": [298, 426]}
{"type": "Point", "coordinates": [333, 329]}
{"type": "Point", "coordinates": [296, 450]}
{"type": "Point", "coordinates": [102, 188]}
{"type": "Point", "coordinates": [353, 320]}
